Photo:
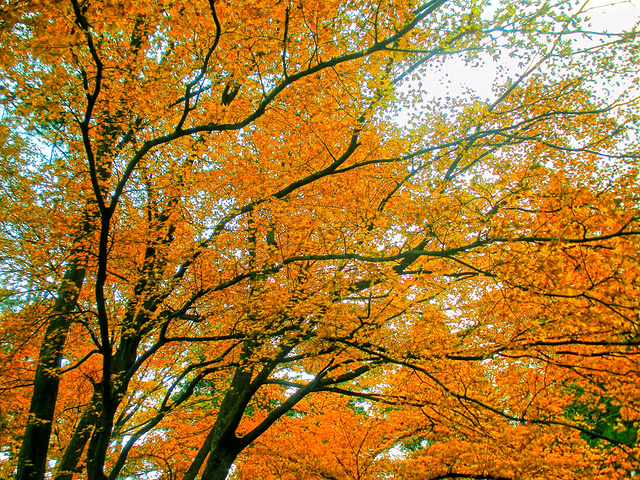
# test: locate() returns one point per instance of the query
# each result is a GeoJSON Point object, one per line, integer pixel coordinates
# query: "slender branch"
{"type": "Point", "coordinates": [285, 38]}
{"type": "Point", "coordinates": [91, 103]}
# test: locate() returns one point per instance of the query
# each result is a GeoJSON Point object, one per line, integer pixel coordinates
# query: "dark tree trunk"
{"type": "Point", "coordinates": [69, 463]}
{"type": "Point", "coordinates": [122, 363]}
{"type": "Point", "coordinates": [99, 443]}
{"type": "Point", "coordinates": [32, 460]}
{"type": "Point", "coordinates": [222, 445]}
{"type": "Point", "coordinates": [220, 460]}
{"type": "Point", "coordinates": [199, 459]}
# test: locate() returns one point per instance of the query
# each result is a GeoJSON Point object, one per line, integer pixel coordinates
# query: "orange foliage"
{"type": "Point", "coordinates": [244, 239]}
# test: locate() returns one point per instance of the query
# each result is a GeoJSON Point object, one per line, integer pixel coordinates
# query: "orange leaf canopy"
{"type": "Point", "coordinates": [245, 239]}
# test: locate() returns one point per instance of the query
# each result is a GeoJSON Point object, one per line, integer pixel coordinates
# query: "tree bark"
{"type": "Point", "coordinates": [200, 457]}
{"type": "Point", "coordinates": [99, 443]}
{"type": "Point", "coordinates": [69, 463]}
{"type": "Point", "coordinates": [32, 460]}
{"type": "Point", "coordinates": [221, 459]}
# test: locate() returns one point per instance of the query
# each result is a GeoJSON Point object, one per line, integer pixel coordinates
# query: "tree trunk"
{"type": "Point", "coordinates": [199, 459]}
{"type": "Point", "coordinates": [223, 445]}
{"type": "Point", "coordinates": [69, 463]}
{"type": "Point", "coordinates": [32, 460]}
{"type": "Point", "coordinates": [99, 443]}
{"type": "Point", "coordinates": [220, 460]}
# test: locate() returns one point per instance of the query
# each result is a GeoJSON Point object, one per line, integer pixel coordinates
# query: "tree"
{"type": "Point", "coordinates": [241, 236]}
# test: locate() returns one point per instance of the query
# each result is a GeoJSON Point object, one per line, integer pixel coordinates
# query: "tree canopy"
{"type": "Point", "coordinates": [247, 240]}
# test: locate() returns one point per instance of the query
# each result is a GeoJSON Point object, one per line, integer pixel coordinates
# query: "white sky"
{"type": "Point", "coordinates": [615, 16]}
{"type": "Point", "coordinates": [456, 77]}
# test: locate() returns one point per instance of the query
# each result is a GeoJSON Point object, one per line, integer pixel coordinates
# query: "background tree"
{"type": "Point", "coordinates": [227, 226]}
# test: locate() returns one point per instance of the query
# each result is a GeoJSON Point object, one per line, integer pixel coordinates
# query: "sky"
{"type": "Point", "coordinates": [604, 16]}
